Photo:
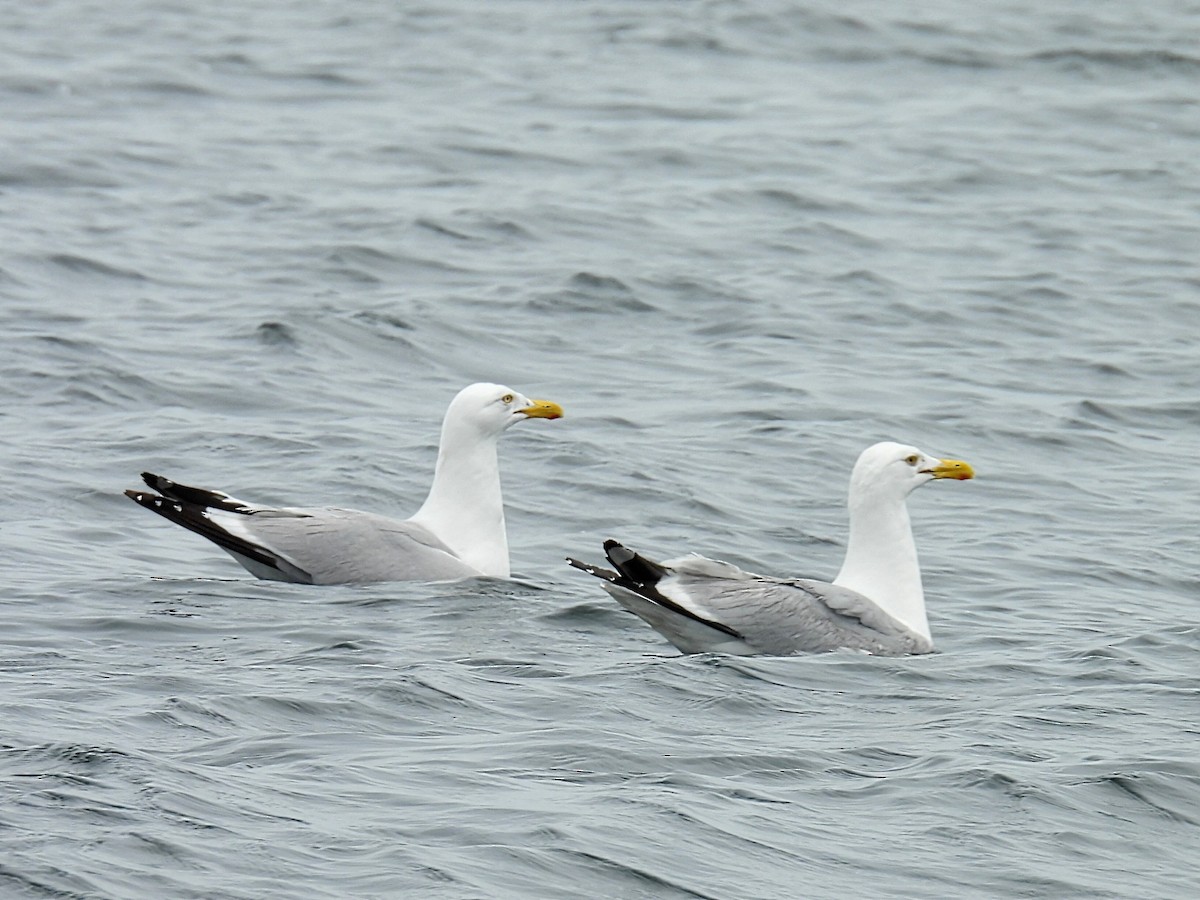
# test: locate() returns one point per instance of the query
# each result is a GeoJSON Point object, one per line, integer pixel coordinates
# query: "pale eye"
{"type": "Point", "coordinates": [507, 398]}
{"type": "Point", "coordinates": [913, 460]}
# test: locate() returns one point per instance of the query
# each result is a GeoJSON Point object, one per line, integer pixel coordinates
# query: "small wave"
{"type": "Point", "coordinates": [245, 198]}
{"type": "Point", "coordinates": [29, 886]}
{"type": "Point", "coordinates": [370, 265]}
{"type": "Point", "coordinates": [82, 265]}
{"type": "Point", "coordinates": [1141, 414]}
{"type": "Point", "coordinates": [172, 88]}
{"type": "Point", "coordinates": [1130, 60]}
{"type": "Point", "coordinates": [45, 176]}
{"type": "Point", "coordinates": [90, 755]}
{"type": "Point", "coordinates": [507, 153]}
{"type": "Point", "coordinates": [276, 334]}
{"type": "Point", "coordinates": [590, 292]}
{"type": "Point", "coordinates": [324, 77]}
{"type": "Point", "coordinates": [798, 201]}
{"type": "Point", "coordinates": [692, 40]}
{"type": "Point", "coordinates": [383, 321]}
{"type": "Point", "coordinates": [587, 612]}
{"type": "Point", "coordinates": [1168, 789]}
{"type": "Point", "coordinates": [30, 85]}
{"type": "Point", "coordinates": [443, 230]}
{"type": "Point", "coordinates": [232, 62]}
{"type": "Point", "coordinates": [677, 113]}
{"type": "Point", "coordinates": [658, 885]}
{"type": "Point", "coordinates": [591, 282]}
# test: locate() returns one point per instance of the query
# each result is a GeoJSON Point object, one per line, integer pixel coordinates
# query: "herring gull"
{"type": "Point", "coordinates": [458, 532]}
{"type": "Point", "coordinates": [876, 603]}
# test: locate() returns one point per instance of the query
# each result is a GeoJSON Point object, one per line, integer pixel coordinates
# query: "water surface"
{"type": "Point", "coordinates": [260, 247]}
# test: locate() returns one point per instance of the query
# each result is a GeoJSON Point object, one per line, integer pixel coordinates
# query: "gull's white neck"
{"type": "Point", "coordinates": [881, 560]}
{"type": "Point", "coordinates": [464, 507]}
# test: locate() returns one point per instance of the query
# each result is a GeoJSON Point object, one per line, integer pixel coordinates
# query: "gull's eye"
{"type": "Point", "coordinates": [913, 459]}
{"type": "Point", "coordinates": [507, 398]}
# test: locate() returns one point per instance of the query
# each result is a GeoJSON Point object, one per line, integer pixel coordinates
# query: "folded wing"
{"type": "Point", "coordinates": [309, 546]}
{"type": "Point", "coordinates": [704, 605]}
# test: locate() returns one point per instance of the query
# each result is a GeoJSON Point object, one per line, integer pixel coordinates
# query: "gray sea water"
{"type": "Point", "coordinates": [259, 246]}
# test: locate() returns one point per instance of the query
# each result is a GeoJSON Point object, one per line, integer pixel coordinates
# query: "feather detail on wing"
{"type": "Point", "coordinates": [703, 604]}
{"type": "Point", "coordinates": [310, 546]}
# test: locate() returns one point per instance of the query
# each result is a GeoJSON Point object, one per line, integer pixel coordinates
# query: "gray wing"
{"type": "Point", "coordinates": [782, 618]}
{"type": "Point", "coordinates": [310, 546]}
{"type": "Point", "coordinates": [336, 546]}
{"type": "Point", "coordinates": [705, 605]}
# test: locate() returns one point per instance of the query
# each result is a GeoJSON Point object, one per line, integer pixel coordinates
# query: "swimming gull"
{"type": "Point", "coordinates": [458, 532]}
{"type": "Point", "coordinates": [876, 603]}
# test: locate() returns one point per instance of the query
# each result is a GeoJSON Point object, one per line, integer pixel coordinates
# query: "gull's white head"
{"type": "Point", "coordinates": [881, 557]}
{"type": "Point", "coordinates": [894, 470]}
{"type": "Point", "coordinates": [491, 408]}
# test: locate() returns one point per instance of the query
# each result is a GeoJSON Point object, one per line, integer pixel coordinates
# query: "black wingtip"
{"type": "Point", "coordinates": [591, 569]}
{"type": "Point", "coordinates": [139, 497]}
{"type": "Point", "coordinates": [641, 575]}
{"type": "Point", "coordinates": [193, 517]}
{"type": "Point", "coordinates": [636, 568]}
